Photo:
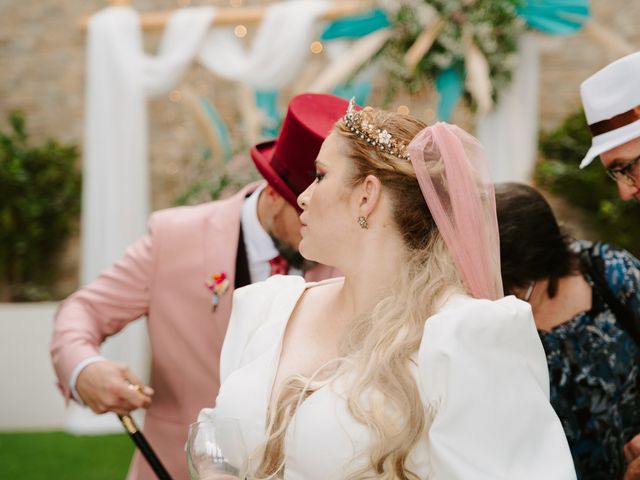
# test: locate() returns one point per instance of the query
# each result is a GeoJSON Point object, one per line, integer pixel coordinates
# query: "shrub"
{"type": "Point", "coordinates": [39, 207]}
{"type": "Point", "coordinates": [590, 189]}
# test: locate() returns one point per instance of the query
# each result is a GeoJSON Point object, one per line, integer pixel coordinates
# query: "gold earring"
{"type": "Point", "coordinates": [363, 222]}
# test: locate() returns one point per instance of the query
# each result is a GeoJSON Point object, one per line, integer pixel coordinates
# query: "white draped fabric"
{"type": "Point", "coordinates": [120, 78]}
{"type": "Point", "coordinates": [509, 133]}
{"type": "Point", "coordinates": [278, 51]}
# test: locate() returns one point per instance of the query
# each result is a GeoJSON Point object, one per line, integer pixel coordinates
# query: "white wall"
{"type": "Point", "coordinates": [29, 399]}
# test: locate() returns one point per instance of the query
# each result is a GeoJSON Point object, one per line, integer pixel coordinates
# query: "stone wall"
{"type": "Point", "coordinates": [566, 61]}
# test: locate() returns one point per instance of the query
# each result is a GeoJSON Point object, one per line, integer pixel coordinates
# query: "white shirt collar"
{"type": "Point", "coordinates": [260, 247]}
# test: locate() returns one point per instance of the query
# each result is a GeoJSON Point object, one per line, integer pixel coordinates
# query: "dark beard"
{"type": "Point", "coordinates": [292, 256]}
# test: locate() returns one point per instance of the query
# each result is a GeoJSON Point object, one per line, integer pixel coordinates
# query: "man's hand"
{"type": "Point", "coordinates": [632, 456]}
{"type": "Point", "coordinates": [107, 386]}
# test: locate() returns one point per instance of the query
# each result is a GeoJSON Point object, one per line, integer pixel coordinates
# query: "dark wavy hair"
{"type": "Point", "coordinates": [532, 244]}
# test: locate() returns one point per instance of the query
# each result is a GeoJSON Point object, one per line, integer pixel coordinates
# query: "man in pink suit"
{"type": "Point", "coordinates": [175, 276]}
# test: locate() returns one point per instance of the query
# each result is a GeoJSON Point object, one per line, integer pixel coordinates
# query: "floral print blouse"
{"type": "Point", "coordinates": [594, 369]}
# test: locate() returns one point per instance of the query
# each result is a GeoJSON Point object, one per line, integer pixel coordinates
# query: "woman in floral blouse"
{"type": "Point", "coordinates": [585, 299]}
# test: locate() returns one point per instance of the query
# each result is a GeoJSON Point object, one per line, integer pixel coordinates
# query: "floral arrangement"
{"type": "Point", "coordinates": [467, 45]}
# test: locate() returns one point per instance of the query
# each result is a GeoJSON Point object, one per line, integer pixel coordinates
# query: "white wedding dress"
{"type": "Point", "coordinates": [482, 375]}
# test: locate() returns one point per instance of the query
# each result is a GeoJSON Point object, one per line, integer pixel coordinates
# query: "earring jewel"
{"type": "Point", "coordinates": [363, 222]}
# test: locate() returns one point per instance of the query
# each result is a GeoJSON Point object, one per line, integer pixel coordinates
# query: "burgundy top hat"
{"type": "Point", "coordinates": [287, 163]}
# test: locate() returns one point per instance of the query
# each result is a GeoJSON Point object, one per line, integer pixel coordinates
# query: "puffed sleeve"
{"type": "Point", "coordinates": [484, 376]}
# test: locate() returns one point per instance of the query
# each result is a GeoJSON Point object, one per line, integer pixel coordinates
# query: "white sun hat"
{"type": "Point", "coordinates": [611, 101]}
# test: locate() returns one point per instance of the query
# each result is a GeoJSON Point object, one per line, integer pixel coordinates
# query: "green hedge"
{"type": "Point", "coordinates": [39, 207]}
{"type": "Point", "coordinates": [590, 189]}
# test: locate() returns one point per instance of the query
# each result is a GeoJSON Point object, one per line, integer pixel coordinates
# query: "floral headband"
{"type": "Point", "coordinates": [381, 139]}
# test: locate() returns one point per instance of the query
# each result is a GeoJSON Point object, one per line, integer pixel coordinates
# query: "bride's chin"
{"type": "Point", "coordinates": [306, 252]}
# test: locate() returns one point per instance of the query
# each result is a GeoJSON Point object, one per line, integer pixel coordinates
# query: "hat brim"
{"type": "Point", "coordinates": [607, 141]}
{"type": "Point", "coordinates": [261, 155]}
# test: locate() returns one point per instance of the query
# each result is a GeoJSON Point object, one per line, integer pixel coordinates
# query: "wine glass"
{"type": "Point", "coordinates": [215, 449]}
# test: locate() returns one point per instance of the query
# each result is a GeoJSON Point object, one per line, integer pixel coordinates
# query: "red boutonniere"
{"type": "Point", "coordinates": [217, 284]}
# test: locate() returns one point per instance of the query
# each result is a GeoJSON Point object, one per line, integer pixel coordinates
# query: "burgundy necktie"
{"type": "Point", "coordinates": [279, 266]}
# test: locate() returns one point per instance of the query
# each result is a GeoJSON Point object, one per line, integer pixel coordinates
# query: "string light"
{"type": "Point", "coordinates": [403, 110]}
{"type": "Point", "coordinates": [240, 31]}
{"type": "Point", "coordinates": [175, 96]}
{"type": "Point", "coordinates": [316, 47]}
{"type": "Point", "coordinates": [430, 115]}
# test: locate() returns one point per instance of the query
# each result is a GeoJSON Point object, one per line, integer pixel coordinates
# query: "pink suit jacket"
{"type": "Point", "coordinates": [162, 277]}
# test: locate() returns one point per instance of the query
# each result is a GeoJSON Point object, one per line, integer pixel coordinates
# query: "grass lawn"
{"type": "Point", "coordinates": [60, 456]}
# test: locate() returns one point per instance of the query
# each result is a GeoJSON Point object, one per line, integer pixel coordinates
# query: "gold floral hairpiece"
{"type": "Point", "coordinates": [381, 139]}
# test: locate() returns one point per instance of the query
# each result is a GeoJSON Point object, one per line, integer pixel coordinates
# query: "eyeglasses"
{"type": "Point", "coordinates": [625, 174]}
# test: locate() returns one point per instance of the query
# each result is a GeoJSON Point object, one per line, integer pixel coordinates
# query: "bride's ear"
{"type": "Point", "coordinates": [370, 193]}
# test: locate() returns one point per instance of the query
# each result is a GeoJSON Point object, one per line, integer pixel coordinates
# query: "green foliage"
{"type": "Point", "coordinates": [205, 190]}
{"type": "Point", "coordinates": [60, 456]}
{"type": "Point", "coordinates": [493, 25]}
{"type": "Point", "coordinates": [217, 181]}
{"type": "Point", "coordinates": [39, 206]}
{"type": "Point", "coordinates": [589, 189]}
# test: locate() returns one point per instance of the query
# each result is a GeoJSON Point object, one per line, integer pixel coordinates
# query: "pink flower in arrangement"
{"type": "Point", "coordinates": [217, 284]}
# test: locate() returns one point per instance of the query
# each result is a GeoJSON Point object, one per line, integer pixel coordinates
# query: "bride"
{"type": "Point", "coordinates": [413, 365]}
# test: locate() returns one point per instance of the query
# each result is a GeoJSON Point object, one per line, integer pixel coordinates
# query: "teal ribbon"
{"type": "Point", "coordinates": [450, 86]}
{"type": "Point", "coordinates": [556, 17]}
{"type": "Point", "coordinates": [267, 101]}
{"type": "Point", "coordinates": [356, 26]}
{"type": "Point", "coordinates": [360, 89]}
{"type": "Point", "coordinates": [219, 127]}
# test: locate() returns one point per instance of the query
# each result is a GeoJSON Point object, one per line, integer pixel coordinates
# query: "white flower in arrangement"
{"type": "Point", "coordinates": [442, 60]}
{"type": "Point", "coordinates": [490, 45]}
{"type": "Point", "coordinates": [451, 5]}
{"type": "Point", "coordinates": [449, 30]}
{"type": "Point", "coordinates": [483, 29]}
{"type": "Point", "coordinates": [451, 44]}
{"type": "Point", "coordinates": [426, 15]}
{"type": "Point", "coordinates": [510, 61]}
{"type": "Point", "coordinates": [391, 6]}
{"type": "Point", "coordinates": [414, 4]}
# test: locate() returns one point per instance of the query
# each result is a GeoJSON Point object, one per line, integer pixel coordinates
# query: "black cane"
{"type": "Point", "coordinates": [144, 447]}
